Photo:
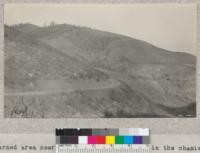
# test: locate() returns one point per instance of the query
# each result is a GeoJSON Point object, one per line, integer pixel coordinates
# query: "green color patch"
{"type": "Point", "coordinates": [119, 140]}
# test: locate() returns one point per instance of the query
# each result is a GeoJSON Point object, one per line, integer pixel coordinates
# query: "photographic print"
{"type": "Point", "coordinates": [99, 61]}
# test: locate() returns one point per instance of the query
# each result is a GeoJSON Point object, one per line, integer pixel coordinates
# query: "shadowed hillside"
{"type": "Point", "coordinates": [71, 71]}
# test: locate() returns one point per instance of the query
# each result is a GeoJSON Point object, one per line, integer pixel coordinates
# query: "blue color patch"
{"type": "Point", "coordinates": [128, 140]}
{"type": "Point", "coordinates": [138, 139]}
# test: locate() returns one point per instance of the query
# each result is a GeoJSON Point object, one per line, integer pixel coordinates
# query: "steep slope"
{"type": "Point", "coordinates": [95, 45]}
{"type": "Point", "coordinates": [28, 60]}
{"type": "Point", "coordinates": [143, 62]}
{"type": "Point", "coordinates": [111, 75]}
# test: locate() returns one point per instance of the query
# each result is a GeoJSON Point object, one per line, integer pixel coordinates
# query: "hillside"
{"type": "Point", "coordinates": [92, 73]}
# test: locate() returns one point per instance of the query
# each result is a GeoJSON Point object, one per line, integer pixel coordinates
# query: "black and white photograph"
{"type": "Point", "coordinates": [99, 61]}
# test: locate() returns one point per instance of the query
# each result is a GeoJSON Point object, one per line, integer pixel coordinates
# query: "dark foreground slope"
{"type": "Point", "coordinates": [70, 71]}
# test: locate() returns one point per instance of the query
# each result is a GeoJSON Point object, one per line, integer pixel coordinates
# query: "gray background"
{"type": "Point", "coordinates": [178, 126]}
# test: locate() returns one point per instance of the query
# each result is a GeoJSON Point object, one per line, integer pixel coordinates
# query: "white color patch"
{"type": "Point", "coordinates": [82, 140]}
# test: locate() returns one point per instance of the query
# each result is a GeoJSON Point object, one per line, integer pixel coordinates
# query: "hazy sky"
{"type": "Point", "coordinates": [169, 26]}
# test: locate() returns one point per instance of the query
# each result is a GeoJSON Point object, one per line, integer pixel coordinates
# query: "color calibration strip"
{"type": "Point", "coordinates": [103, 136]}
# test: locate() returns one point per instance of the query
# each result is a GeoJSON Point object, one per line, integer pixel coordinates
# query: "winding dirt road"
{"type": "Point", "coordinates": [111, 83]}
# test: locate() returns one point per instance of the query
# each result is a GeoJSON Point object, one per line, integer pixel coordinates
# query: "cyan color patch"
{"type": "Point", "coordinates": [128, 139]}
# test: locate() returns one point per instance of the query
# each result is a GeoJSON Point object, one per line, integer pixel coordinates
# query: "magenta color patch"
{"type": "Point", "coordinates": [92, 139]}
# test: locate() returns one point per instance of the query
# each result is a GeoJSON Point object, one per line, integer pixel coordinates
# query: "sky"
{"type": "Point", "coordinates": [169, 26]}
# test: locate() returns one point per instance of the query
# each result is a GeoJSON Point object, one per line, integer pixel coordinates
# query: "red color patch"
{"type": "Point", "coordinates": [101, 139]}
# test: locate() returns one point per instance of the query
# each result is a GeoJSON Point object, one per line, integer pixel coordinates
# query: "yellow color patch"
{"type": "Point", "coordinates": [110, 139]}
